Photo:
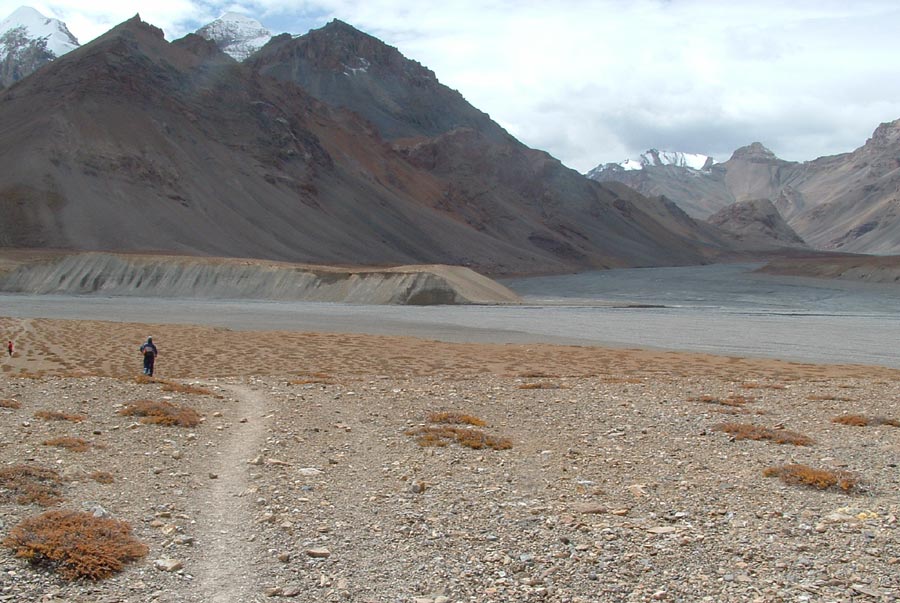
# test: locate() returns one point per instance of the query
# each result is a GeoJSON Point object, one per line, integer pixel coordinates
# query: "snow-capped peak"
{"type": "Point", "coordinates": [654, 157]}
{"type": "Point", "coordinates": [236, 34]}
{"type": "Point", "coordinates": [35, 26]}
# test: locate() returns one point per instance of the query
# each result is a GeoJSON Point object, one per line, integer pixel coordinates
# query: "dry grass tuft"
{"type": "Point", "coordinates": [162, 413]}
{"type": "Point", "coordinates": [174, 386]}
{"type": "Point", "coordinates": [171, 386]}
{"type": "Point", "coordinates": [537, 375]}
{"type": "Point", "coordinates": [829, 398]}
{"type": "Point", "coordinates": [69, 443]}
{"type": "Point", "coordinates": [53, 415]}
{"type": "Point", "coordinates": [820, 479]}
{"type": "Point", "coordinates": [864, 421]}
{"type": "Point", "coordinates": [102, 477]}
{"type": "Point", "coordinates": [76, 545]}
{"type": "Point", "coordinates": [455, 418]}
{"type": "Point", "coordinates": [758, 385]}
{"type": "Point", "coordinates": [30, 485]}
{"type": "Point", "coordinates": [436, 435]}
{"type": "Point", "coordinates": [747, 431]}
{"type": "Point", "coordinates": [540, 385]}
{"type": "Point", "coordinates": [13, 404]}
{"type": "Point", "coordinates": [631, 380]}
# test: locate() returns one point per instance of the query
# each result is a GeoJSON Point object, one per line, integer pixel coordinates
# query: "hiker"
{"type": "Point", "coordinates": [9, 348]}
{"type": "Point", "coordinates": [149, 351]}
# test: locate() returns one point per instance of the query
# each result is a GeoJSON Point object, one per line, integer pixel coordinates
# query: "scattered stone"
{"type": "Point", "coordinates": [318, 553]}
{"type": "Point", "coordinates": [168, 565]}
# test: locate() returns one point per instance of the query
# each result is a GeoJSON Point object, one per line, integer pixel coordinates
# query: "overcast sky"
{"type": "Point", "coordinates": [598, 81]}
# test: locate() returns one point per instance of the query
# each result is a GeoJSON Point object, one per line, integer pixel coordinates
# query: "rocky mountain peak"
{"type": "Point", "coordinates": [756, 152]}
{"type": "Point", "coordinates": [236, 34]}
{"type": "Point", "coordinates": [28, 41]}
{"type": "Point", "coordinates": [886, 134]}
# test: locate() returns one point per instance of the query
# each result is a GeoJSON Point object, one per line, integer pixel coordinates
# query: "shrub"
{"type": "Point", "coordinates": [820, 479]}
{"type": "Point", "coordinates": [162, 413]}
{"type": "Point", "coordinates": [53, 415]}
{"type": "Point", "coordinates": [434, 435]}
{"type": "Point", "coordinates": [102, 477]}
{"type": "Point", "coordinates": [864, 421]}
{"type": "Point", "coordinates": [540, 385]}
{"type": "Point", "coordinates": [747, 431]}
{"type": "Point", "coordinates": [69, 443]}
{"type": "Point", "coordinates": [75, 544]}
{"type": "Point", "coordinates": [758, 385]}
{"type": "Point", "coordinates": [829, 398]}
{"type": "Point", "coordinates": [171, 386]}
{"type": "Point", "coordinates": [455, 418]}
{"type": "Point", "coordinates": [14, 404]}
{"type": "Point", "coordinates": [30, 485]}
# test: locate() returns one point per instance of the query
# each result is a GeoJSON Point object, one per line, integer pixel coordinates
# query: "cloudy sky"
{"type": "Point", "coordinates": [593, 81]}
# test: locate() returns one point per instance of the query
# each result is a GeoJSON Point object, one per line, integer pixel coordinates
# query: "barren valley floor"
{"type": "Point", "coordinates": [306, 480]}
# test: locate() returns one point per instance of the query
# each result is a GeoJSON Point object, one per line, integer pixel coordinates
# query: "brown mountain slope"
{"type": "Point", "coordinates": [132, 143]}
{"type": "Point", "coordinates": [757, 223]}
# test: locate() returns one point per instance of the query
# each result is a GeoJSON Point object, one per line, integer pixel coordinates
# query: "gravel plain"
{"type": "Point", "coordinates": [302, 483]}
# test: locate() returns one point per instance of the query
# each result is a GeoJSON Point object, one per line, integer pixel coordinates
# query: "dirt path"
{"type": "Point", "coordinates": [226, 522]}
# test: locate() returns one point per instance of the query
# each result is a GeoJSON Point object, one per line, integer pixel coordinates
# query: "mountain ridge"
{"type": "Point", "coordinates": [133, 143]}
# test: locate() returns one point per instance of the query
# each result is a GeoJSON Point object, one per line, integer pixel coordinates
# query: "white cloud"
{"type": "Point", "coordinates": [592, 81]}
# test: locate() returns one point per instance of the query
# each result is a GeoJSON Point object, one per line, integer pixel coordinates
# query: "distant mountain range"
{"type": "Point", "coordinates": [330, 147]}
{"type": "Point", "coordinates": [848, 202]}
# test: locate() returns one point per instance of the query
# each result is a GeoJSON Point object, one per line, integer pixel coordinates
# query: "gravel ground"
{"type": "Point", "coordinates": [618, 485]}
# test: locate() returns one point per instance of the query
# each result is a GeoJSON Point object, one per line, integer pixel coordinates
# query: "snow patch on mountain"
{"type": "Point", "coordinates": [236, 34]}
{"type": "Point", "coordinates": [654, 157]}
{"type": "Point", "coordinates": [35, 27]}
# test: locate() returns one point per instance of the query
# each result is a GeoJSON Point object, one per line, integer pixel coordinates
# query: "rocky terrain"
{"type": "Point", "coordinates": [756, 222]}
{"type": "Point", "coordinates": [223, 278]}
{"type": "Point", "coordinates": [844, 202]}
{"type": "Point", "coordinates": [301, 483]}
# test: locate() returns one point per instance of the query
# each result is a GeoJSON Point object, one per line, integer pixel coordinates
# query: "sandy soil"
{"type": "Point", "coordinates": [302, 483]}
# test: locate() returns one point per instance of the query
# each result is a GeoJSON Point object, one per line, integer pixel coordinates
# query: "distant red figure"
{"type": "Point", "coordinates": [9, 348]}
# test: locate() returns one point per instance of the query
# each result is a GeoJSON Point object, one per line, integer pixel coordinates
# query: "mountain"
{"type": "Point", "coordinates": [29, 40]}
{"type": "Point", "coordinates": [236, 34]}
{"type": "Point", "coordinates": [756, 223]}
{"type": "Point", "coordinates": [132, 143]}
{"type": "Point", "coordinates": [344, 67]}
{"type": "Point", "coordinates": [654, 157]}
{"type": "Point", "coordinates": [848, 202]}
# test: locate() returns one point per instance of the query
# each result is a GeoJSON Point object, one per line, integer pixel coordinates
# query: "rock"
{"type": "Point", "coordinates": [662, 530]}
{"type": "Point", "coordinates": [95, 509]}
{"type": "Point", "coordinates": [284, 557]}
{"type": "Point", "coordinates": [168, 565]}
{"type": "Point", "coordinates": [417, 487]}
{"type": "Point", "coordinates": [318, 553]}
{"type": "Point", "coordinates": [590, 508]}
{"type": "Point", "coordinates": [292, 591]}
{"type": "Point", "coordinates": [309, 471]}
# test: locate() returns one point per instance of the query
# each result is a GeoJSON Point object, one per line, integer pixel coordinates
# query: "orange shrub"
{"type": "Point", "coordinates": [162, 413]}
{"type": "Point", "coordinates": [747, 431]}
{"type": "Point", "coordinates": [455, 418]}
{"type": "Point", "coordinates": [13, 404]}
{"type": "Point", "coordinates": [820, 479]}
{"type": "Point", "coordinates": [70, 443]}
{"type": "Point", "coordinates": [29, 484]}
{"type": "Point", "coordinates": [53, 415]}
{"type": "Point", "coordinates": [75, 544]}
